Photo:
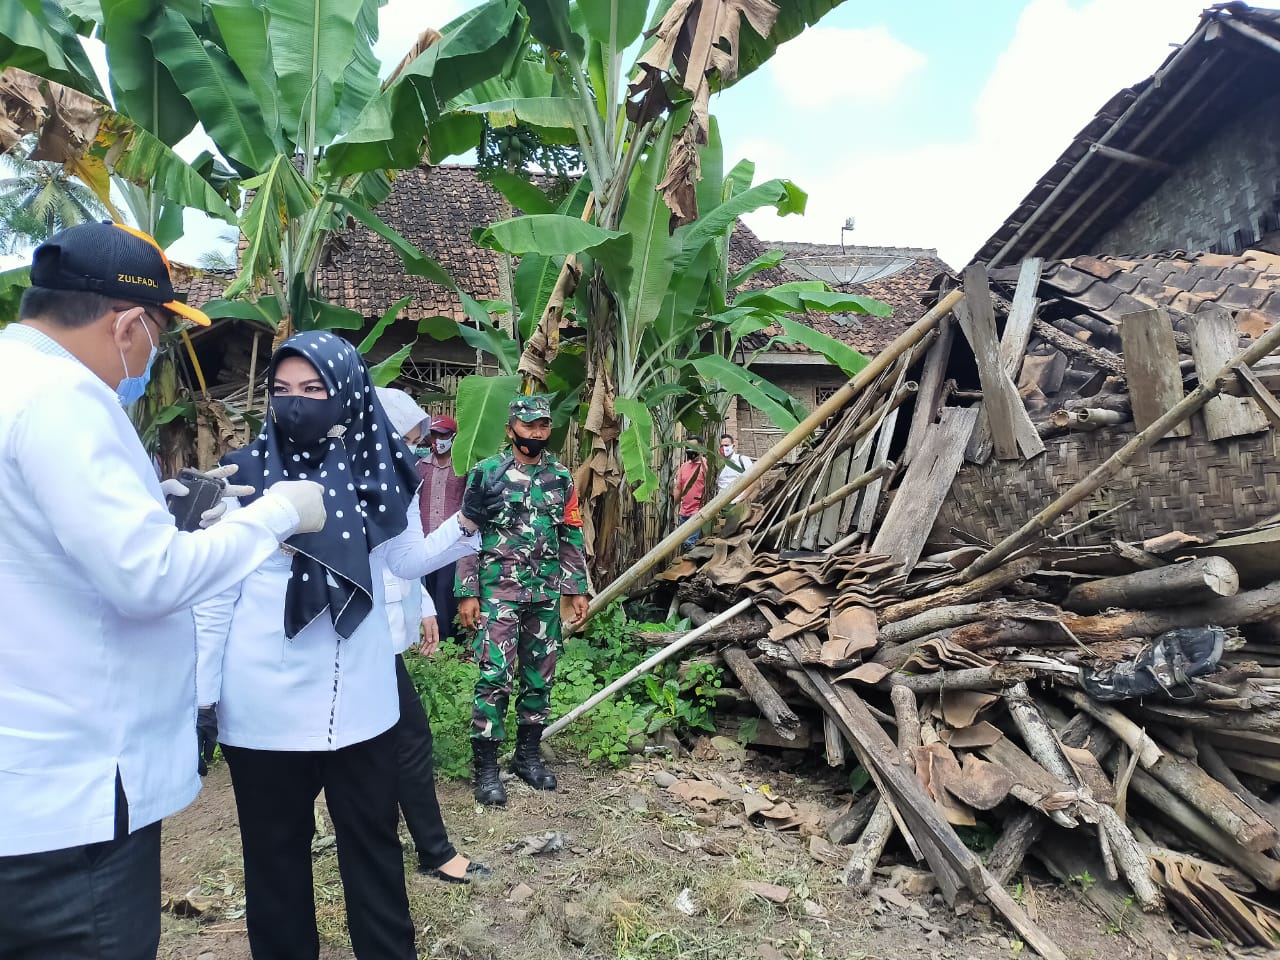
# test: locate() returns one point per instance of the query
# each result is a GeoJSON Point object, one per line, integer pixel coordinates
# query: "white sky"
{"type": "Point", "coordinates": [883, 114]}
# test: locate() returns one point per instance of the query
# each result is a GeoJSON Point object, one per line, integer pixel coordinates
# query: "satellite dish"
{"type": "Point", "coordinates": [852, 268]}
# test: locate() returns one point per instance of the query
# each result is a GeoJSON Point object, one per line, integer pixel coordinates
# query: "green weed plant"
{"type": "Point", "coordinates": [589, 661]}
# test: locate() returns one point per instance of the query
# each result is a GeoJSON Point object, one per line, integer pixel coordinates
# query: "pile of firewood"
{"type": "Point", "coordinates": [980, 682]}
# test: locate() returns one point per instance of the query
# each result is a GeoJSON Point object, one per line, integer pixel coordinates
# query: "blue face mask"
{"type": "Point", "coordinates": [131, 389]}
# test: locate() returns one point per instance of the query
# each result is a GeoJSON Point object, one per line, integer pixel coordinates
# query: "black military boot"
{"type": "Point", "coordinates": [489, 790]}
{"type": "Point", "coordinates": [527, 763]}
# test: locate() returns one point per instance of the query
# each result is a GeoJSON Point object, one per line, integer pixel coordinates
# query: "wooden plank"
{"type": "Point", "coordinates": [978, 321]}
{"type": "Point", "coordinates": [1012, 431]}
{"type": "Point", "coordinates": [978, 449]}
{"type": "Point", "coordinates": [1017, 328]}
{"type": "Point", "coordinates": [929, 395]}
{"type": "Point", "coordinates": [1214, 341]}
{"type": "Point", "coordinates": [871, 497]}
{"type": "Point", "coordinates": [1151, 367]}
{"type": "Point", "coordinates": [1261, 395]}
{"type": "Point", "coordinates": [924, 488]}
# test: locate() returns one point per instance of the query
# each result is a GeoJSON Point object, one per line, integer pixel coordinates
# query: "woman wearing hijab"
{"type": "Point", "coordinates": [298, 656]}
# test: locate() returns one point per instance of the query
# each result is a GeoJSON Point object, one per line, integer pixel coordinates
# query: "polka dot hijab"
{"type": "Point", "coordinates": [368, 477]}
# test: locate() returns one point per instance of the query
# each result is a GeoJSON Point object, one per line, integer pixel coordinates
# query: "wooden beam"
{"type": "Point", "coordinates": [978, 321]}
{"type": "Point", "coordinates": [1100, 358]}
{"type": "Point", "coordinates": [1265, 399]}
{"type": "Point", "coordinates": [929, 396]}
{"type": "Point", "coordinates": [772, 706]}
{"type": "Point", "coordinates": [1151, 367]}
{"type": "Point", "coordinates": [924, 488]}
{"type": "Point", "coordinates": [879, 458]}
{"type": "Point", "coordinates": [1017, 328]}
{"type": "Point", "coordinates": [1214, 341]}
{"type": "Point", "coordinates": [1012, 431]}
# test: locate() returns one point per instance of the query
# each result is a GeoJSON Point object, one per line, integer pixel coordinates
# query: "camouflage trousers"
{"type": "Point", "coordinates": [511, 634]}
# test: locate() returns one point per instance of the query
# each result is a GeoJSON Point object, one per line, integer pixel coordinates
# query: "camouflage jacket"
{"type": "Point", "coordinates": [532, 550]}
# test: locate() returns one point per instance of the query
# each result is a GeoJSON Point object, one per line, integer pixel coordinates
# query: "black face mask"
{"type": "Point", "coordinates": [303, 421]}
{"type": "Point", "coordinates": [529, 446]}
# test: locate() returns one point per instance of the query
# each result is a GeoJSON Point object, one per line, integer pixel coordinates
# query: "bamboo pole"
{"type": "Point", "coordinates": [666, 653]}
{"type": "Point", "coordinates": [868, 374]}
{"type": "Point", "coordinates": [835, 496]}
{"type": "Point", "coordinates": [1106, 470]}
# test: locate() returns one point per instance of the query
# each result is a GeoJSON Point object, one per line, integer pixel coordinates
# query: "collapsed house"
{"type": "Point", "coordinates": [1029, 571]}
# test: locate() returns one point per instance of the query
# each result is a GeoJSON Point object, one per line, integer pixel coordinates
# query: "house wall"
{"type": "Point", "coordinates": [1221, 199]}
{"type": "Point", "coordinates": [809, 383]}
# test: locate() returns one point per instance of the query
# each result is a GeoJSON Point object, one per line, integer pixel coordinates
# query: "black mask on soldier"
{"type": "Point", "coordinates": [529, 446]}
{"type": "Point", "coordinates": [304, 421]}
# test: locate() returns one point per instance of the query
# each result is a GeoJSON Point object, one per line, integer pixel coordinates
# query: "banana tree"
{"type": "Point", "coordinates": [691, 331]}
{"type": "Point", "coordinates": [660, 210]}
{"type": "Point", "coordinates": [289, 93]}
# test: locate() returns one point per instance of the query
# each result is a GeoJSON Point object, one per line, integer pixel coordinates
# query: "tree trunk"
{"type": "Point", "coordinates": [1248, 607]}
{"type": "Point", "coordinates": [1178, 584]}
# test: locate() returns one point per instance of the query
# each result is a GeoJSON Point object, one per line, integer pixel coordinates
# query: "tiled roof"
{"type": "Point", "coordinates": [1248, 285]}
{"type": "Point", "coordinates": [197, 287]}
{"type": "Point", "coordinates": [435, 209]}
{"type": "Point", "coordinates": [905, 290]}
{"type": "Point", "coordinates": [1135, 141]}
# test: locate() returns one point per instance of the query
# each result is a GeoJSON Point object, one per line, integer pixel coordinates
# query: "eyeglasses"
{"type": "Point", "coordinates": [162, 325]}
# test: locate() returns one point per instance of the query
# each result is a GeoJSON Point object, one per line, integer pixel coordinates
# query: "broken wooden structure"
{"type": "Point", "coordinates": [1025, 497]}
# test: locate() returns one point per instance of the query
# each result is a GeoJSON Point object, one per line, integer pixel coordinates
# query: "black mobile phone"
{"type": "Point", "coordinates": [203, 493]}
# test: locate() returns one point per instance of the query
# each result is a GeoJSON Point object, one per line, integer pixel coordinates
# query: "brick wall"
{"type": "Point", "coordinates": [1222, 198]}
{"type": "Point", "coordinates": [754, 431]}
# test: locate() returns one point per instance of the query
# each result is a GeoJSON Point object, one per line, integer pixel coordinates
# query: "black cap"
{"type": "Point", "coordinates": [110, 259]}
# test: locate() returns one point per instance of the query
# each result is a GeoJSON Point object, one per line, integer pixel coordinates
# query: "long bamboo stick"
{"type": "Point", "coordinates": [835, 496]}
{"type": "Point", "coordinates": [868, 374]}
{"type": "Point", "coordinates": [1175, 415]}
{"type": "Point", "coordinates": [666, 653]}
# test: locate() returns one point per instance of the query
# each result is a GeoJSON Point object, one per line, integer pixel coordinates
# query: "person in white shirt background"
{"type": "Point", "coordinates": [97, 645]}
{"type": "Point", "coordinates": [735, 465]}
{"type": "Point", "coordinates": [409, 607]}
{"type": "Point", "coordinates": [298, 657]}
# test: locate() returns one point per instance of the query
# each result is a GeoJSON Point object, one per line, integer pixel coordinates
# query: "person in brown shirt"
{"type": "Point", "coordinates": [440, 498]}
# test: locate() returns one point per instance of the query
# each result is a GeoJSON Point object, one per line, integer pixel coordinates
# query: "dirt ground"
{"type": "Point", "coordinates": [639, 873]}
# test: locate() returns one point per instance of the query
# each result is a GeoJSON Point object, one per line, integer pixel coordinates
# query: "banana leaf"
{"type": "Point", "coordinates": [483, 403]}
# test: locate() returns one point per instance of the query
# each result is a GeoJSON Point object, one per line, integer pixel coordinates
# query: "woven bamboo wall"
{"type": "Point", "coordinates": [1191, 484]}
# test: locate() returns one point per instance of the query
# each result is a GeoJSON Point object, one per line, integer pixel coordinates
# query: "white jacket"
{"type": "Point", "coordinates": [407, 603]}
{"type": "Point", "coordinates": [316, 691]}
{"type": "Point", "coordinates": [97, 646]}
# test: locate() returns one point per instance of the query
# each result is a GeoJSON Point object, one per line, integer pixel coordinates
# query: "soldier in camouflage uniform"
{"type": "Point", "coordinates": [530, 554]}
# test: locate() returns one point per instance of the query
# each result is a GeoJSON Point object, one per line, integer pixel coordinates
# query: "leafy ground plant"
{"type": "Point", "coordinates": [611, 645]}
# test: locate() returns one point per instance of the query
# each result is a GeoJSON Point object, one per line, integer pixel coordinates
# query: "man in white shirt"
{"type": "Point", "coordinates": [97, 643]}
{"type": "Point", "coordinates": [735, 465]}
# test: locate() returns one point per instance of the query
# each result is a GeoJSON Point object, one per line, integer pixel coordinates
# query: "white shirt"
{"type": "Point", "coordinates": [316, 691]}
{"type": "Point", "coordinates": [729, 475]}
{"type": "Point", "coordinates": [97, 646]}
{"type": "Point", "coordinates": [407, 602]}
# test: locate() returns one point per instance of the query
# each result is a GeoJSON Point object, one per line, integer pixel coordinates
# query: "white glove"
{"type": "Point", "coordinates": [307, 499]}
{"type": "Point", "coordinates": [233, 489]}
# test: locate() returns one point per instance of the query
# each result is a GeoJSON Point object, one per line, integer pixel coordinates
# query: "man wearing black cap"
{"type": "Point", "coordinates": [97, 644]}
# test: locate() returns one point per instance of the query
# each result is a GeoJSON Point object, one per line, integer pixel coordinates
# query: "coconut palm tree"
{"type": "Point", "coordinates": [38, 198]}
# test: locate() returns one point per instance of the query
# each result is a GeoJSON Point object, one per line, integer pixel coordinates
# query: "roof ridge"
{"type": "Point", "coordinates": [852, 249]}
